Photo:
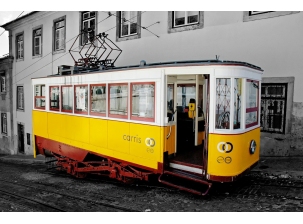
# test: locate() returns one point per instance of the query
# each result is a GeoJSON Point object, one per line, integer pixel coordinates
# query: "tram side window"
{"type": "Point", "coordinates": [237, 102]}
{"type": "Point", "coordinates": [98, 99]}
{"type": "Point", "coordinates": [81, 99]}
{"type": "Point", "coordinates": [40, 97]}
{"type": "Point", "coordinates": [67, 99]}
{"type": "Point", "coordinates": [252, 108]}
{"type": "Point", "coordinates": [223, 100]}
{"type": "Point", "coordinates": [143, 101]}
{"type": "Point", "coordinates": [54, 98]}
{"type": "Point", "coordinates": [118, 100]}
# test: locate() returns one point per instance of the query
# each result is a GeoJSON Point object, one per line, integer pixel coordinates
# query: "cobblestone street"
{"type": "Point", "coordinates": [254, 193]}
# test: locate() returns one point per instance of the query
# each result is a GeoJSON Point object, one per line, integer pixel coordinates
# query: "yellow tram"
{"type": "Point", "coordinates": [194, 121]}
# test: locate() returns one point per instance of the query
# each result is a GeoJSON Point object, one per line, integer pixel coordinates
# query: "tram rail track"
{"type": "Point", "coordinates": [36, 202]}
{"type": "Point", "coordinates": [105, 204]}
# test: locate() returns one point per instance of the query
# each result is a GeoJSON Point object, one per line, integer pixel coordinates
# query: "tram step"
{"type": "Point", "coordinates": [185, 182]}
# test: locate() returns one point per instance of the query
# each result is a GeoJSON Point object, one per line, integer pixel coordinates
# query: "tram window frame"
{"type": "Point", "coordinates": [58, 100]}
{"type": "Point", "coordinates": [61, 104]}
{"type": "Point", "coordinates": [123, 116]}
{"type": "Point", "coordinates": [252, 109]}
{"type": "Point", "coordinates": [102, 114]}
{"type": "Point", "coordinates": [77, 111]}
{"type": "Point", "coordinates": [141, 118]}
{"type": "Point", "coordinates": [170, 101]}
{"type": "Point", "coordinates": [238, 95]}
{"type": "Point", "coordinates": [41, 96]}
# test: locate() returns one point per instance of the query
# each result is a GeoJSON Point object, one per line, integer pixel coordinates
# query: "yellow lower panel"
{"type": "Point", "coordinates": [40, 124]}
{"type": "Point", "coordinates": [135, 143]}
{"type": "Point", "coordinates": [228, 155]}
{"type": "Point", "coordinates": [144, 141]}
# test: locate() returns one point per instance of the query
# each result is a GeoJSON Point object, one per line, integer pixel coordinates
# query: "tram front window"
{"type": "Point", "coordinates": [223, 100]}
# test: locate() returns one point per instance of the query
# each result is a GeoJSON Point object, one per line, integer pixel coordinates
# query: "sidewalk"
{"type": "Point", "coordinates": [23, 158]}
{"type": "Point", "coordinates": [283, 167]}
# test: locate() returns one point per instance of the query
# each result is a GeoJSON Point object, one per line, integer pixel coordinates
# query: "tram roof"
{"type": "Point", "coordinates": [192, 62]}
{"type": "Point", "coordinates": [143, 65]}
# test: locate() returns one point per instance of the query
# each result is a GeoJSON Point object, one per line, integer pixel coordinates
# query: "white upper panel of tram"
{"type": "Point", "coordinates": [145, 92]}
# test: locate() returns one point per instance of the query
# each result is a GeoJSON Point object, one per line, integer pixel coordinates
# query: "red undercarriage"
{"type": "Point", "coordinates": [79, 162]}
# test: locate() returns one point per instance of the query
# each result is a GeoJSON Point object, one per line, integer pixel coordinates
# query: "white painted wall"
{"type": "Point", "coordinates": [274, 44]}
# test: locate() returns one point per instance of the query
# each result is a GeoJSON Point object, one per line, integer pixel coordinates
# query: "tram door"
{"type": "Point", "coordinates": [171, 115]}
{"type": "Point", "coordinates": [187, 99]}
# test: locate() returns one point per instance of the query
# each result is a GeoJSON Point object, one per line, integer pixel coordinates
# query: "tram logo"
{"type": "Point", "coordinates": [226, 160]}
{"type": "Point", "coordinates": [150, 142]}
{"type": "Point", "coordinates": [225, 147]}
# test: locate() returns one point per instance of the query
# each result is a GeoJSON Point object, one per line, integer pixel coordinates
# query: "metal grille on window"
{"type": "Point", "coordinates": [223, 97]}
{"type": "Point", "coordinates": [273, 107]}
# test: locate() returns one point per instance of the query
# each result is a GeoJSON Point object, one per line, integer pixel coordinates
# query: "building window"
{"type": "Point", "coordinates": [252, 103]}
{"type": "Point", "coordinates": [67, 99]}
{"type": "Point", "coordinates": [128, 25]}
{"type": "Point", "coordinates": [39, 97]}
{"type": "Point", "coordinates": [88, 27]}
{"type": "Point", "coordinates": [20, 98]}
{"type": "Point", "coordinates": [98, 99]}
{"type": "Point", "coordinates": [273, 107]}
{"type": "Point", "coordinates": [118, 96]}
{"type": "Point", "coordinates": [3, 123]}
{"type": "Point", "coordinates": [20, 46]}
{"type": "Point", "coordinates": [81, 99]}
{"type": "Point", "coordinates": [256, 15]}
{"type": "Point", "coordinates": [143, 101]}
{"type": "Point", "coordinates": [59, 34]}
{"type": "Point", "coordinates": [54, 98]}
{"type": "Point", "coordinates": [184, 20]}
{"type": "Point", "coordinates": [2, 82]}
{"type": "Point", "coordinates": [37, 42]}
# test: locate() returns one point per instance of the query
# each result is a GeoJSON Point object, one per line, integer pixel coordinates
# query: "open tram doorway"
{"type": "Point", "coordinates": [187, 111]}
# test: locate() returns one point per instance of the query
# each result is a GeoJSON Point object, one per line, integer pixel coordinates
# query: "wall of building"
{"type": "Point", "coordinates": [6, 140]}
{"type": "Point", "coordinates": [274, 44]}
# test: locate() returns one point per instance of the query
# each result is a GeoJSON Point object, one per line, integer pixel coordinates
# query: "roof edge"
{"type": "Point", "coordinates": [17, 19]}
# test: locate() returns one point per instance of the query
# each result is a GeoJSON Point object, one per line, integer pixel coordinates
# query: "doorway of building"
{"type": "Point", "coordinates": [20, 128]}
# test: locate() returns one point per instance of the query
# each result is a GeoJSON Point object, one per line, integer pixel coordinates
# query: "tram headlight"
{"type": "Point", "coordinates": [252, 147]}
